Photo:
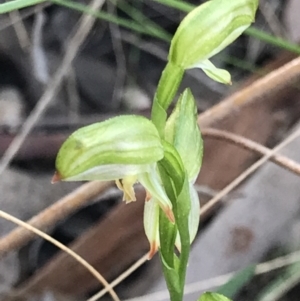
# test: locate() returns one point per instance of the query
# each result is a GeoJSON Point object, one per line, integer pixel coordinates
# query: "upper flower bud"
{"type": "Point", "coordinates": [207, 30]}
{"type": "Point", "coordinates": [109, 150]}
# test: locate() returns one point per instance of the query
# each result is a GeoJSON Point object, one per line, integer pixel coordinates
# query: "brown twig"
{"type": "Point", "coordinates": [61, 246]}
{"type": "Point", "coordinates": [120, 278]}
{"type": "Point", "coordinates": [254, 147]}
{"type": "Point", "coordinates": [51, 215]}
{"type": "Point", "coordinates": [20, 30]}
{"type": "Point", "coordinates": [248, 172]}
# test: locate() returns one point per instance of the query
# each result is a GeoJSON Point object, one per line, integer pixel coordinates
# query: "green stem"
{"type": "Point", "coordinates": [167, 234]}
{"type": "Point", "coordinates": [166, 90]}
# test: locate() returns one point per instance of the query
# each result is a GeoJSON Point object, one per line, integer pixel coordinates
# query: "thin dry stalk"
{"type": "Point", "coordinates": [51, 215]}
{"type": "Point", "coordinates": [20, 30]}
{"type": "Point", "coordinates": [61, 246]}
{"type": "Point", "coordinates": [253, 146]}
{"type": "Point", "coordinates": [268, 11]}
{"type": "Point", "coordinates": [248, 172]}
{"type": "Point", "coordinates": [85, 25]}
{"type": "Point", "coordinates": [120, 278]}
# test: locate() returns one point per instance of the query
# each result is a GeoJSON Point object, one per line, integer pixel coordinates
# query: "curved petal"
{"type": "Point", "coordinates": [217, 74]}
{"type": "Point", "coordinates": [126, 185]}
{"type": "Point", "coordinates": [151, 225]}
{"type": "Point", "coordinates": [152, 183]}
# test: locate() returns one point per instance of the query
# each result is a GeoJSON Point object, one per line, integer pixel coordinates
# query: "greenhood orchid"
{"type": "Point", "coordinates": [164, 154]}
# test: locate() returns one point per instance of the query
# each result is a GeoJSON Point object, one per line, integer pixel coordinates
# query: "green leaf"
{"type": "Point", "coordinates": [182, 221]}
{"type": "Point", "coordinates": [240, 279]}
{"type": "Point", "coordinates": [183, 132]}
{"type": "Point", "coordinates": [213, 297]}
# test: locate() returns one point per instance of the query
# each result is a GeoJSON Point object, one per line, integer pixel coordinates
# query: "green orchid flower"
{"type": "Point", "coordinates": [125, 149]}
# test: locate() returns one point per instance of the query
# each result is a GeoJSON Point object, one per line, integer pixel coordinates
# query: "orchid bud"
{"type": "Point", "coordinates": [207, 30]}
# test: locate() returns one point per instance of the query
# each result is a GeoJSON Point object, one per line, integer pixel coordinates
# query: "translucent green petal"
{"type": "Point", "coordinates": [152, 183]}
{"type": "Point", "coordinates": [218, 75]}
{"type": "Point", "coordinates": [151, 224]}
{"type": "Point", "coordinates": [109, 172]}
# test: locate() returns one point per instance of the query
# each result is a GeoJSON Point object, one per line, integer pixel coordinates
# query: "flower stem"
{"type": "Point", "coordinates": [167, 88]}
